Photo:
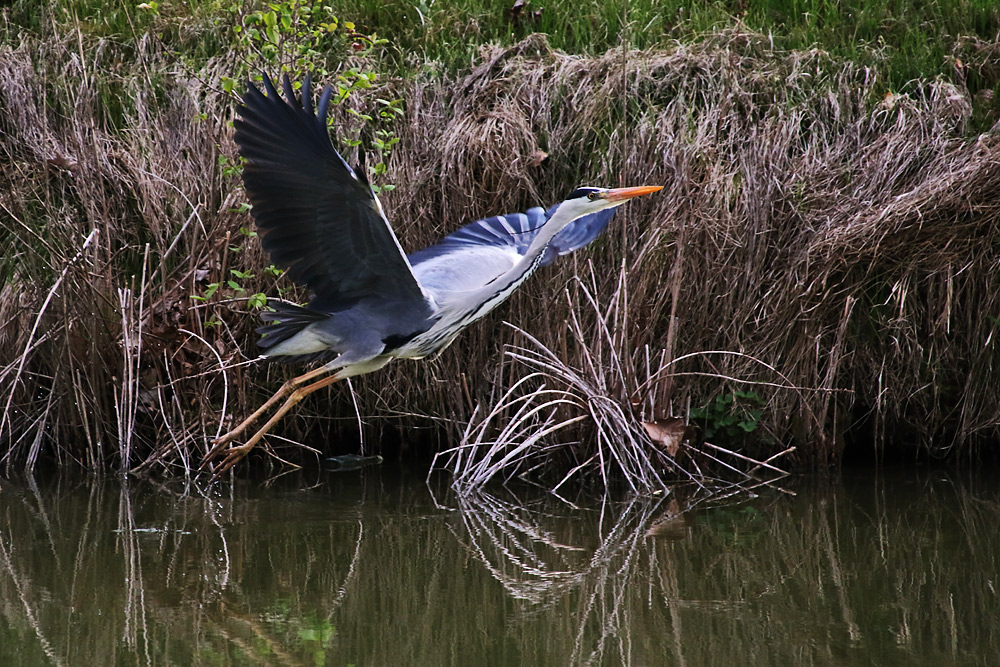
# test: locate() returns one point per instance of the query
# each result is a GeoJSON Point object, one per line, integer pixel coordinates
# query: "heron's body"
{"type": "Point", "coordinates": [461, 286]}
{"type": "Point", "coordinates": [320, 220]}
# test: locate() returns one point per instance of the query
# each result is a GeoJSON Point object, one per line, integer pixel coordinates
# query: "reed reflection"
{"type": "Point", "coordinates": [374, 569]}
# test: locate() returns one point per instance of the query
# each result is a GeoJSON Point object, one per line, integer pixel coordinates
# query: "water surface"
{"type": "Point", "coordinates": [372, 568]}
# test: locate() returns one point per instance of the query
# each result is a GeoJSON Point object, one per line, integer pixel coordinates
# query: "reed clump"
{"type": "Point", "coordinates": [828, 246]}
{"type": "Point", "coordinates": [816, 242]}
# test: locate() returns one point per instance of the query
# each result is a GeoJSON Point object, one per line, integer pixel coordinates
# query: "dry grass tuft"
{"type": "Point", "coordinates": [835, 243]}
{"type": "Point", "coordinates": [607, 410]}
{"type": "Point", "coordinates": [114, 205]}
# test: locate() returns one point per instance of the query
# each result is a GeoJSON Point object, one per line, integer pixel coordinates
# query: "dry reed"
{"type": "Point", "coordinates": [837, 245]}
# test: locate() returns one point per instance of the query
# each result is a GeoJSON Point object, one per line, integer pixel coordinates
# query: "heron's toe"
{"type": "Point", "coordinates": [233, 456]}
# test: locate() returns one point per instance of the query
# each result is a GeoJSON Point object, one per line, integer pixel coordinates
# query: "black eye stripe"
{"type": "Point", "coordinates": [580, 192]}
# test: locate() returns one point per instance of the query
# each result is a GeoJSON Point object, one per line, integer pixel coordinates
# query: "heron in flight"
{"type": "Point", "coordinates": [371, 302]}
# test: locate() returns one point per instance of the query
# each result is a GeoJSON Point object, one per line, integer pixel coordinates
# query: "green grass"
{"type": "Point", "coordinates": [904, 41]}
{"type": "Point", "coordinates": [919, 38]}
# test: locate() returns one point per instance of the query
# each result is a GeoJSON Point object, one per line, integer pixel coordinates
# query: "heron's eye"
{"type": "Point", "coordinates": [592, 196]}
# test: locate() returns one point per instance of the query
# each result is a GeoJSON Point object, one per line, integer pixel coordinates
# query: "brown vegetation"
{"type": "Point", "coordinates": [829, 248]}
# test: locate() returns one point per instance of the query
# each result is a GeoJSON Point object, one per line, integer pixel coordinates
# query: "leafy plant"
{"type": "Point", "coordinates": [730, 416]}
{"type": "Point", "coordinates": [298, 37]}
{"type": "Point", "coordinates": [234, 288]}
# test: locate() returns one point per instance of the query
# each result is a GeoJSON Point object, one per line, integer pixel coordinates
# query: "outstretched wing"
{"type": "Point", "coordinates": [318, 218]}
{"type": "Point", "coordinates": [485, 249]}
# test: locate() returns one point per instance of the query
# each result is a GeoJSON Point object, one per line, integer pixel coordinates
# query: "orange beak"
{"type": "Point", "coordinates": [622, 194]}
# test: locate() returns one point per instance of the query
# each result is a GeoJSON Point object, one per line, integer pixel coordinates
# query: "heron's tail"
{"type": "Point", "coordinates": [285, 321]}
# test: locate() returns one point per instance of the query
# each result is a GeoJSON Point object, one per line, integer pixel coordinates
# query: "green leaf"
{"type": "Point", "coordinates": [258, 300]}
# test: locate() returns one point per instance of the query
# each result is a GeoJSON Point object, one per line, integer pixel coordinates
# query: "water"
{"type": "Point", "coordinates": [369, 568]}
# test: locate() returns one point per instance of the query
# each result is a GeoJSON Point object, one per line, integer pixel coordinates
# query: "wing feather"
{"type": "Point", "coordinates": [317, 217]}
{"type": "Point", "coordinates": [482, 251]}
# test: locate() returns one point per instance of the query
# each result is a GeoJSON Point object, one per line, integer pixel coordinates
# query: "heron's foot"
{"type": "Point", "coordinates": [226, 438]}
{"type": "Point", "coordinates": [219, 444]}
{"type": "Point", "coordinates": [240, 428]}
{"type": "Point", "coordinates": [234, 455]}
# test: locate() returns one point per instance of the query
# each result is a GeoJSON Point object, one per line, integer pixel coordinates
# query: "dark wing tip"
{"type": "Point", "coordinates": [272, 92]}
{"type": "Point", "coordinates": [260, 96]}
{"type": "Point", "coordinates": [324, 103]}
{"type": "Point", "coordinates": [305, 95]}
{"type": "Point", "coordinates": [286, 84]}
{"type": "Point", "coordinates": [361, 171]}
{"type": "Point", "coordinates": [309, 205]}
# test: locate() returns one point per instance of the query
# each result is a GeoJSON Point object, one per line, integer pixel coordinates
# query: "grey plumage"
{"type": "Point", "coordinates": [320, 220]}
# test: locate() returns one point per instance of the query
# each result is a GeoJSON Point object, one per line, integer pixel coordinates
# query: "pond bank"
{"type": "Point", "coordinates": [819, 271]}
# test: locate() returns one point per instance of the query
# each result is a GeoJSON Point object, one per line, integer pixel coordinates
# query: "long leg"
{"type": "Point", "coordinates": [235, 454]}
{"type": "Point", "coordinates": [285, 389]}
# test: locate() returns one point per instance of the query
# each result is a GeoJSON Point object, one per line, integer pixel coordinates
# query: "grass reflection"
{"type": "Point", "coordinates": [372, 570]}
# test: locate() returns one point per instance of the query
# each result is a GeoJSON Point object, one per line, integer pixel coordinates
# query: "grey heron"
{"type": "Point", "coordinates": [371, 302]}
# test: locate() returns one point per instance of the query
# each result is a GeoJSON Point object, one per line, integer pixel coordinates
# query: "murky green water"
{"type": "Point", "coordinates": [365, 568]}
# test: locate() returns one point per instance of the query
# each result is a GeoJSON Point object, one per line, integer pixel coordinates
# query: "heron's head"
{"type": "Point", "coordinates": [591, 200]}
